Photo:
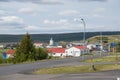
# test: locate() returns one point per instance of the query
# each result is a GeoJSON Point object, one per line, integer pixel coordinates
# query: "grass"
{"type": "Point", "coordinates": [111, 58]}
{"type": "Point", "coordinates": [61, 70]}
{"type": "Point", "coordinates": [75, 69]}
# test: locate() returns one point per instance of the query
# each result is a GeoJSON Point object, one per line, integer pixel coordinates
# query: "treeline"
{"type": "Point", "coordinates": [56, 37]}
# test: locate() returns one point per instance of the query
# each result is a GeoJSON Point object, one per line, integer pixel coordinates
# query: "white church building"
{"type": "Point", "coordinates": [52, 44]}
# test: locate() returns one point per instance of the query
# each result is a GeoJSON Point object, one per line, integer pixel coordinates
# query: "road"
{"type": "Point", "coordinates": [21, 71]}
{"type": "Point", "coordinates": [23, 68]}
{"type": "Point", "coordinates": [108, 75]}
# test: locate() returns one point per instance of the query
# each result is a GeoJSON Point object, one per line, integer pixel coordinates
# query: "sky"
{"type": "Point", "coordinates": [58, 16]}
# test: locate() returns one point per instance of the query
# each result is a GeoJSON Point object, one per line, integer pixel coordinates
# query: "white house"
{"type": "Point", "coordinates": [57, 52]}
{"type": "Point", "coordinates": [91, 46]}
{"type": "Point", "coordinates": [76, 51]}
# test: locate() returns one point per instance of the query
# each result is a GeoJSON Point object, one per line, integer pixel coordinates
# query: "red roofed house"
{"type": "Point", "coordinates": [76, 51]}
{"type": "Point", "coordinates": [58, 52]}
{"type": "Point", "coordinates": [10, 53]}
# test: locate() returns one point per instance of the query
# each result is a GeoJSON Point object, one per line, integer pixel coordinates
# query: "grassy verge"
{"type": "Point", "coordinates": [111, 58]}
{"type": "Point", "coordinates": [75, 69]}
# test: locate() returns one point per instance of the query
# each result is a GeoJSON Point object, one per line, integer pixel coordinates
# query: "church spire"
{"type": "Point", "coordinates": [51, 41]}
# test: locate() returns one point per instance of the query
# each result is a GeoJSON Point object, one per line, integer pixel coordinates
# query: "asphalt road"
{"type": "Point", "coordinates": [24, 68]}
{"type": "Point", "coordinates": [21, 71]}
{"type": "Point", "coordinates": [108, 75]}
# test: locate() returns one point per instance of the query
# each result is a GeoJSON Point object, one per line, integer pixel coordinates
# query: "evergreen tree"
{"type": "Point", "coordinates": [26, 50]}
{"type": "Point", "coordinates": [41, 54]}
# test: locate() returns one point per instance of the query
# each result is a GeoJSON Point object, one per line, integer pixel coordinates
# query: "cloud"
{"type": "Point", "coordinates": [36, 1]}
{"type": "Point", "coordinates": [2, 12]}
{"type": "Point", "coordinates": [11, 22]}
{"type": "Point", "coordinates": [68, 12]}
{"type": "Point", "coordinates": [98, 16]}
{"type": "Point", "coordinates": [53, 22]}
{"type": "Point", "coordinates": [93, 0]}
{"type": "Point", "coordinates": [11, 19]}
{"type": "Point", "coordinates": [52, 1]}
{"type": "Point", "coordinates": [32, 28]}
{"type": "Point", "coordinates": [100, 10]}
{"type": "Point", "coordinates": [28, 11]}
{"type": "Point", "coordinates": [62, 25]}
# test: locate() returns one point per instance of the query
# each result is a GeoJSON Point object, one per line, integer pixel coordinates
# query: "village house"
{"type": "Point", "coordinates": [57, 52]}
{"type": "Point", "coordinates": [9, 53]}
{"type": "Point", "coordinates": [76, 51]}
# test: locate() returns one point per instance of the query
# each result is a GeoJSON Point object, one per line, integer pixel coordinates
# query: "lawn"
{"type": "Point", "coordinates": [111, 58]}
{"type": "Point", "coordinates": [76, 69]}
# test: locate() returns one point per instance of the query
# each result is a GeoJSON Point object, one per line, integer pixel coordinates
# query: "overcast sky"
{"type": "Point", "coordinates": [58, 16]}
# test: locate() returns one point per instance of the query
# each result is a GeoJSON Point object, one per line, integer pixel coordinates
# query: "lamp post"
{"type": "Point", "coordinates": [84, 25]}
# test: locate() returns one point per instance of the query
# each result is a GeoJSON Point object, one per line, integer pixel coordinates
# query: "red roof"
{"type": "Point", "coordinates": [81, 47]}
{"type": "Point", "coordinates": [56, 50]}
{"type": "Point", "coordinates": [10, 51]}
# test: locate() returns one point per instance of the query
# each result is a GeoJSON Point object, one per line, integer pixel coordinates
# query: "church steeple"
{"type": "Point", "coordinates": [51, 41]}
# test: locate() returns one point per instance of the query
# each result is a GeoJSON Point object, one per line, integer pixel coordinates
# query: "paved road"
{"type": "Point", "coordinates": [18, 71]}
{"type": "Point", "coordinates": [21, 68]}
{"type": "Point", "coordinates": [109, 75]}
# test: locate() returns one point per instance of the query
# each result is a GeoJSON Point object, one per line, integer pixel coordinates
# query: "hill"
{"type": "Point", "coordinates": [56, 37]}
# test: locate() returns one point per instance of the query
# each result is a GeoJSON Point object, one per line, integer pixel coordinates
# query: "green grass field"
{"type": "Point", "coordinates": [111, 58]}
{"type": "Point", "coordinates": [76, 69]}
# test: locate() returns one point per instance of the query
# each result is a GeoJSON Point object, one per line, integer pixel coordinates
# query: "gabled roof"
{"type": "Point", "coordinates": [81, 47]}
{"type": "Point", "coordinates": [56, 50]}
{"type": "Point", "coordinates": [10, 51]}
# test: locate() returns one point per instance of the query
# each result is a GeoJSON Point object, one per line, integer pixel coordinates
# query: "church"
{"type": "Point", "coordinates": [52, 44]}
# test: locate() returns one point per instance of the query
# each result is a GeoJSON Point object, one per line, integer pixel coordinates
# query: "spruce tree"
{"type": "Point", "coordinates": [26, 50]}
{"type": "Point", "coordinates": [41, 54]}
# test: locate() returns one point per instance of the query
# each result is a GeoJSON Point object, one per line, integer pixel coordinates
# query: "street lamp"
{"type": "Point", "coordinates": [84, 26]}
{"type": "Point", "coordinates": [84, 30]}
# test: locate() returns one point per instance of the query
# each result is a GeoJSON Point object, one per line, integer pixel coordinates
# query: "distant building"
{"type": "Point", "coordinates": [38, 45]}
{"type": "Point", "coordinates": [52, 44]}
{"type": "Point", "coordinates": [1, 46]}
{"type": "Point", "coordinates": [57, 52]}
{"type": "Point", "coordinates": [76, 51]}
{"type": "Point", "coordinates": [91, 47]}
{"type": "Point", "coordinates": [10, 53]}
{"type": "Point", "coordinates": [9, 45]}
